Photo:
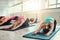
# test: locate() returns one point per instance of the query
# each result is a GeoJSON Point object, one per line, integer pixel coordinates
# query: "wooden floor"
{"type": "Point", "coordinates": [17, 35]}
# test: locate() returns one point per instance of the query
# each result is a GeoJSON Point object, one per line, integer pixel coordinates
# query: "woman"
{"type": "Point", "coordinates": [48, 26]}
{"type": "Point", "coordinates": [20, 21]}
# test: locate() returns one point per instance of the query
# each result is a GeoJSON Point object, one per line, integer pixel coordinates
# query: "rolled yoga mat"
{"type": "Point", "coordinates": [41, 36]}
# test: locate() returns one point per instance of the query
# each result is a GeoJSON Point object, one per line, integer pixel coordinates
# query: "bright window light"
{"type": "Point", "coordinates": [32, 5]}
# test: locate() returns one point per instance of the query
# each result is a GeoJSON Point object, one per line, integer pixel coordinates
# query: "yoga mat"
{"type": "Point", "coordinates": [6, 24]}
{"type": "Point", "coordinates": [41, 36]}
{"type": "Point", "coordinates": [17, 28]}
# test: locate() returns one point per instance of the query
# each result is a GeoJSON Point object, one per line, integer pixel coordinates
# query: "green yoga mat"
{"type": "Point", "coordinates": [40, 36]}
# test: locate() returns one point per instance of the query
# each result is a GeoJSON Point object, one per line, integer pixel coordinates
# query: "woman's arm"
{"type": "Point", "coordinates": [40, 27]}
{"type": "Point", "coordinates": [34, 20]}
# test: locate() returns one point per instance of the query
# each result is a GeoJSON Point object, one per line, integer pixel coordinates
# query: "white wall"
{"type": "Point", "coordinates": [51, 12]}
{"type": "Point", "coordinates": [11, 10]}
{"type": "Point", "coordinates": [27, 6]}
{"type": "Point", "coordinates": [3, 6]}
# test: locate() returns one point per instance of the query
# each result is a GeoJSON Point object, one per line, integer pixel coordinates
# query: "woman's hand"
{"type": "Point", "coordinates": [47, 34]}
{"type": "Point", "coordinates": [35, 32]}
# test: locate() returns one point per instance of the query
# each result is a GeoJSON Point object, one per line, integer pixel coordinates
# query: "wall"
{"type": "Point", "coordinates": [27, 9]}
{"type": "Point", "coordinates": [51, 12]}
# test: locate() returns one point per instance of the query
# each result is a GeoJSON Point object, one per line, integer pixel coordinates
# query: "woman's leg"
{"type": "Point", "coordinates": [14, 26]}
{"type": "Point", "coordinates": [38, 30]}
{"type": "Point", "coordinates": [10, 27]}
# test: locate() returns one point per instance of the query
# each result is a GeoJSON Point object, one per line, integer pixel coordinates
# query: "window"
{"type": "Point", "coordinates": [58, 5]}
{"type": "Point", "coordinates": [58, 1]}
{"type": "Point", "coordinates": [53, 3]}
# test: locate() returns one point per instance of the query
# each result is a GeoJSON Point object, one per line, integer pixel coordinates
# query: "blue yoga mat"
{"type": "Point", "coordinates": [41, 36]}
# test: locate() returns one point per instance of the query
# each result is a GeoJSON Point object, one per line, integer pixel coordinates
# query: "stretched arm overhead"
{"type": "Point", "coordinates": [34, 20]}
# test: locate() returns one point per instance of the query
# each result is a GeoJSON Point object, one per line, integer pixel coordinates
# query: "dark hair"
{"type": "Point", "coordinates": [16, 17]}
{"type": "Point", "coordinates": [55, 23]}
{"type": "Point", "coordinates": [1, 17]}
{"type": "Point", "coordinates": [27, 20]}
{"type": "Point", "coordinates": [31, 19]}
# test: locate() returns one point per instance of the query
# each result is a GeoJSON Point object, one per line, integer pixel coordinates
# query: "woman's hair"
{"type": "Point", "coordinates": [27, 20]}
{"type": "Point", "coordinates": [1, 17]}
{"type": "Point", "coordinates": [14, 17]}
{"type": "Point", "coordinates": [31, 19]}
{"type": "Point", "coordinates": [55, 23]}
